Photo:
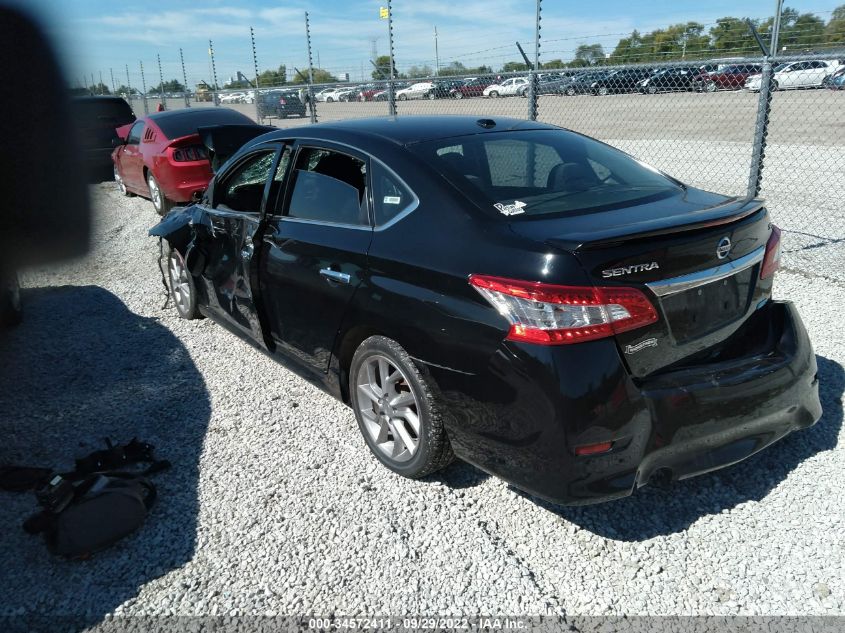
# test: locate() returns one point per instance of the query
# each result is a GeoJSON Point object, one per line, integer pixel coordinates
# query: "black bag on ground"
{"type": "Point", "coordinates": [103, 509]}
{"type": "Point", "coordinates": [91, 507]}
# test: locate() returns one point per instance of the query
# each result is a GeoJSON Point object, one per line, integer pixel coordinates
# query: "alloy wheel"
{"type": "Point", "coordinates": [155, 193]}
{"type": "Point", "coordinates": [121, 186]}
{"type": "Point", "coordinates": [710, 86]}
{"type": "Point", "coordinates": [179, 283]}
{"type": "Point", "coordinates": [389, 408]}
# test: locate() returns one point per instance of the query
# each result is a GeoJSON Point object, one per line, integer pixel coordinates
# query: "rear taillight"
{"type": "Point", "coordinates": [282, 101]}
{"type": "Point", "coordinates": [771, 261]}
{"type": "Point", "coordinates": [194, 152]}
{"type": "Point", "coordinates": [548, 314]}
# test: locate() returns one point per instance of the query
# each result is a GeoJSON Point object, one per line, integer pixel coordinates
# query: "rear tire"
{"type": "Point", "coordinates": [160, 202]}
{"type": "Point", "coordinates": [710, 86]}
{"type": "Point", "coordinates": [389, 394]}
{"type": "Point", "coordinates": [180, 282]}
{"type": "Point", "coordinates": [603, 91]}
{"type": "Point", "coordinates": [570, 92]}
{"type": "Point", "coordinates": [459, 95]}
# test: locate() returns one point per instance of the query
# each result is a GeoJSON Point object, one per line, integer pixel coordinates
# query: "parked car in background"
{"type": "Point", "coordinates": [470, 88]}
{"type": "Point", "coordinates": [802, 74]}
{"type": "Point", "coordinates": [731, 77]}
{"type": "Point", "coordinates": [508, 88]}
{"type": "Point", "coordinates": [620, 81]}
{"type": "Point", "coordinates": [442, 88]}
{"type": "Point", "coordinates": [417, 90]}
{"type": "Point", "coordinates": [836, 81]}
{"type": "Point", "coordinates": [323, 94]}
{"type": "Point", "coordinates": [161, 156]}
{"type": "Point", "coordinates": [345, 93]}
{"type": "Point", "coordinates": [583, 83]}
{"type": "Point", "coordinates": [280, 104]}
{"type": "Point", "coordinates": [368, 92]}
{"type": "Point", "coordinates": [96, 120]}
{"type": "Point", "coordinates": [580, 325]}
{"type": "Point", "coordinates": [673, 79]}
{"type": "Point", "coordinates": [547, 84]}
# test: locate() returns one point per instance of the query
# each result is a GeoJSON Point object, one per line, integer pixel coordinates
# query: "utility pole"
{"type": "Point", "coordinates": [111, 72]}
{"type": "Point", "coordinates": [436, 54]}
{"type": "Point", "coordinates": [93, 85]}
{"type": "Point", "coordinates": [213, 73]}
{"type": "Point", "coordinates": [773, 46]}
{"type": "Point", "coordinates": [162, 98]}
{"type": "Point", "coordinates": [184, 79]}
{"type": "Point", "coordinates": [101, 85]}
{"type": "Point", "coordinates": [144, 87]}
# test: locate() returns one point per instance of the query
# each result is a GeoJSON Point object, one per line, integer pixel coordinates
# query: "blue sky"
{"type": "Point", "coordinates": [95, 35]}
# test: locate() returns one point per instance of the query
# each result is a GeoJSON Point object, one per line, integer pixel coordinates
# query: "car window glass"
{"type": "Point", "coordinates": [244, 190]}
{"type": "Point", "coordinates": [517, 163]}
{"type": "Point", "coordinates": [390, 195]}
{"type": "Point", "coordinates": [329, 187]}
{"type": "Point", "coordinates": [135, 132]}
{"type": "Point", "coordinates": [541, 172]}
{"type": "Point", "coordinates": [275, 199]}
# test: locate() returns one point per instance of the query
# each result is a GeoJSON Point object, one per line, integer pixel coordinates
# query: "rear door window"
{"type": "Point", "coordinates": [329, 186]}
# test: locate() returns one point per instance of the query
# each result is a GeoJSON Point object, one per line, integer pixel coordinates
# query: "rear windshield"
{"type": "Point", "coordinates": [543, 172]}
{"type": "Point", "coordinates": [185, 122]}
{"type": "Point", "coordinates": [112, 112]}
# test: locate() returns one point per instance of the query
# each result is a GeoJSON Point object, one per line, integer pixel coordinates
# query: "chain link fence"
{"type": "Point", "coordinates": [742, 126]}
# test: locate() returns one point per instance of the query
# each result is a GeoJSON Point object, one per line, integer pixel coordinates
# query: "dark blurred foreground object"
{"type": "Point", "coordinates": [93, 506]}
{"type": "Point", "coordinates": [96, 120]}
{"type": "Point", "coordinates": [44, 208]}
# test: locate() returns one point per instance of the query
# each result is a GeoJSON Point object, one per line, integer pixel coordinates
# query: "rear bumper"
{"type": "Point", "coordinates": [181, 182]}
{"type": "Point", "coordinates": [541, 403]}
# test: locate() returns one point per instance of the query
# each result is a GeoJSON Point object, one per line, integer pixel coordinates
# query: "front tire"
{"type": "Point", "coordinates": [121, 186]}
{"type": "Point", "coordinates": [397, 412]}
{"type": "Point", "coordinates": [160, 202]}
{"type": "Point", "coordinates": [493, 94]}
{"type": "Point", "coordinates": [459, 95]}
{"type": "Point", "coordinates": [570, 92]}
{"type": "Point", "coordinates": [180, 281]}
{"type": "Point", "coordinates": [603, 91]}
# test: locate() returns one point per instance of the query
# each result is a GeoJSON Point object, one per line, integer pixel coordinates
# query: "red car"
{"type": "Point", "coordinates": [728, 78]}
{"type": "Point", "coordinates": [161, 156]}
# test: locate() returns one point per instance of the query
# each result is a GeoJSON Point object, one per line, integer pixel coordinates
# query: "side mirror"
{"type": "Point", "coordinates": [118, 142]}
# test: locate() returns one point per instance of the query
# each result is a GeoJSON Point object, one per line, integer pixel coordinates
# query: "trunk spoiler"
{"type": "Point", "coordinates": [731, 210]}
{"type": "Point", "coordinates": [222, 141]}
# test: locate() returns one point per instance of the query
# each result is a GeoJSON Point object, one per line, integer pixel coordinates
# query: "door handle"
{"type": "Point", "coordinates": [335, 275]}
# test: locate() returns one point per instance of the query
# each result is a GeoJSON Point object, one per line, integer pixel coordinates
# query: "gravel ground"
{"type": "Point", "coordinates": [275, 506]}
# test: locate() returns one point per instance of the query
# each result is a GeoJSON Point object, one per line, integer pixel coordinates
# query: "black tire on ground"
{"type": "Point", "coordinates": [402, 97]}
{"type": "Point", "coordinates": [570, 92]}
{"type": "Point", "coordinates": [186, 306]}
{"type": "Point", "coordinates": [160, 202]}
{"type": "Point", "coordinates": [459, 95]}
{"type": "Point", "coordinates": [434, 452]}
{"type": "Point", "coordinates": [602, 90]}
{"type": "Point", "coordinates": [493, 93]}
{"type": "Point", "coordinates": [11, 311]}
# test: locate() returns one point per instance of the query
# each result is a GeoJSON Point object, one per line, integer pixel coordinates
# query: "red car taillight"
{"type": "Point", "coordinates": [771, 261]}
{"type": "Point", "coordinates": [282, 101]}
{"type": "Point", "coordinates": [194, 152]}
{"type": "Point", "coordinates": [548, 314]}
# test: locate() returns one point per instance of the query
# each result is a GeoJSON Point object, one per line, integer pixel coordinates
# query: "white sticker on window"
{"type": "Point", "coordinates": [511, 209]}
{"type": "Point", "coordinates": [392, 200]}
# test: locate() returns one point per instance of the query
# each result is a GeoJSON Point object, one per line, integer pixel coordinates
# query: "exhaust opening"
{"type": "Point", "coordinates": [661, 478]}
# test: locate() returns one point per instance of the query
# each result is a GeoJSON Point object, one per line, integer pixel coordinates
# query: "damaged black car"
{"type": "Point", "coordinates": [523, 297]}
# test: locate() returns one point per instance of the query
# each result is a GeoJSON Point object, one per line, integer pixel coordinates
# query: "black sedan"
{"type": "Point", "coordinates": [526, 298]}
{"type": "Point", "coordinates": [582, 84]}
{"type": "Point", "coordinates": [670, 80]}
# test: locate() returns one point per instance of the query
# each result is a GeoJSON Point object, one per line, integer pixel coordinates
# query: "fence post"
{"type": "Point", "coordinates": [144, 87]}
{"type": "Point", "coordinates": [214, 96]}
{"type": "Point", "coordinates": [185, 79]}
{"type": "Point", "coordinates": [761, 130]}
{"type": "Point", "coordinates": [255, 65]}
{"type": "Point", "coordinates": [533, 97]}
{"type": "Point", "coordinates": [311, 101]}
{"type": "Point", "coordinates": [391, 91]}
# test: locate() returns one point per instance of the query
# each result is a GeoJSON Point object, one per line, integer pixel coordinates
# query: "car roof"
{"type": "Point", "coordinates": [406, 130]}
